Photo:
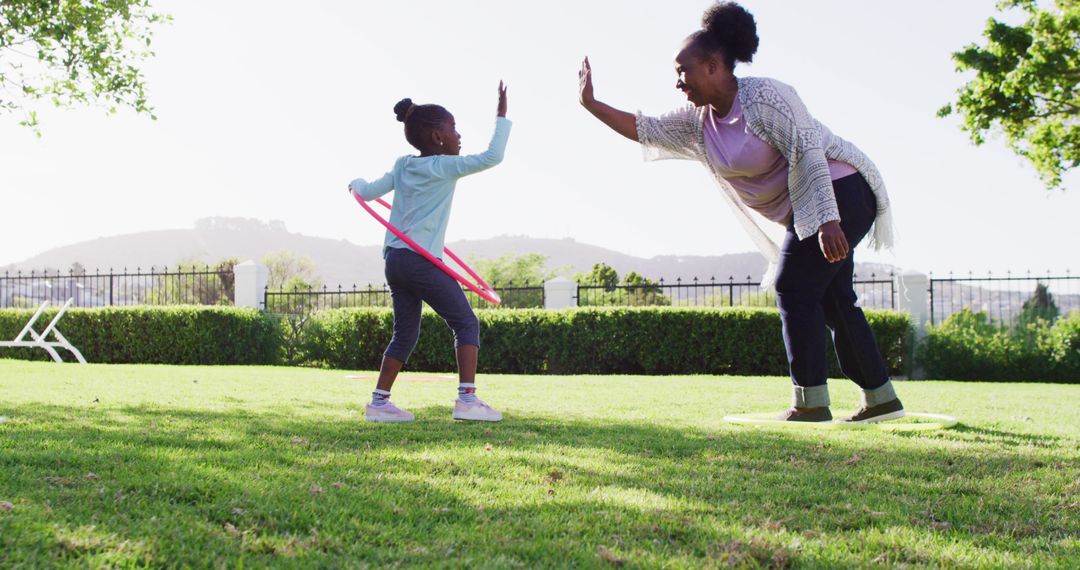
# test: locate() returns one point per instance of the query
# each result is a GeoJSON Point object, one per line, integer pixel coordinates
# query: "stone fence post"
{"type": "Point", "coordinates": [913, 296]}
{"type": "Point", "coordinates": [250, 284]}
{"type": "Point", "coordinates": [560, 293]}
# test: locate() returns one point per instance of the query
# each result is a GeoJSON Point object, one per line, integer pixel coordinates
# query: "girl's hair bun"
{"type": "Point", "coordinates": [401, 108]}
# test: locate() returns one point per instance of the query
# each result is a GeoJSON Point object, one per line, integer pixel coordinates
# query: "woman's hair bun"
{"type": "Point", "coordinates": [401, 108]}
{"type": "Point", "coordinates": [732, 28]}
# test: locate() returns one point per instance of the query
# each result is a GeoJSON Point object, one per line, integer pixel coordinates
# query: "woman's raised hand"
{"type": "Point", "coordinates": [585, 89]}
{"type": "Point", "coordinates": [502, 99]}
{"type": "Point", "coordinates": [620, 121]}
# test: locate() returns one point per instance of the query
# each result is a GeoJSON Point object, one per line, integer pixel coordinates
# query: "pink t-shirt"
{"type": "Point", "coordinates": [757, 171]}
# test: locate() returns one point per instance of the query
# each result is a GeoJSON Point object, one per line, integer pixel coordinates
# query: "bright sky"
{"type": "Point", "coordinates": [268, 108]}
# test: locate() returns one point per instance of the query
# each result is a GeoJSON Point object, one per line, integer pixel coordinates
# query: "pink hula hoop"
{"type": "Point", "coordinates": [481, 287]}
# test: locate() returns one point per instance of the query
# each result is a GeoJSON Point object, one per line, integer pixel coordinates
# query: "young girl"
{"type": "Point", "coordinates": [423, 191]}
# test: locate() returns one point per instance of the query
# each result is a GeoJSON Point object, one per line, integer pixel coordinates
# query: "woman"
{"type": "Point", "coordinates": [772, 160]}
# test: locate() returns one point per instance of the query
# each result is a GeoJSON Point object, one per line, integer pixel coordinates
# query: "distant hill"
{"type": "Point", "coordinates": [345, 263]}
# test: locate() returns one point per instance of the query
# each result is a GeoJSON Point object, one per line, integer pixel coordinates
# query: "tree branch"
{"type": "Point", "coordinates": [1070, 107]}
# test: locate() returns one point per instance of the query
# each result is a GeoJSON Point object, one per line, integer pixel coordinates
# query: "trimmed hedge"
{"type": "Point", "coordinates": [969, 346]}
{"type": "Point", "coordinates": [591, 341]}
{"type": "Point", "coordinates": [184, 334]}
{"type": "Point", "coordinates": [615, 340]}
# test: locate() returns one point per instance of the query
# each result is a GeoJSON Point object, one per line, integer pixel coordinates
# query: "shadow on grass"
{"type": "Point", "coordinates": [1011, 439]}
{"type": "Point", "coordinates": [158, 486]}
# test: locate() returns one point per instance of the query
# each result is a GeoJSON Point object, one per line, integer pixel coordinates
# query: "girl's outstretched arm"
{"type": "Point", "coordinates": [620, 121]}
{"type": "Point", "coordinates": [371, 190]}
{"type": "Point", "coordinates": [458, 166]}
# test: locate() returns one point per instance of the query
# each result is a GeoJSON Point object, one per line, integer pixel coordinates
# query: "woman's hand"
{"type": "Point", "coordinates": [585, 90]}
{"type": "Point", "coordinates": [502, 100]}
{"type": "Point", "coordinates": [620, 121]}
{"type": "Point", "coordinates": [833, 243]}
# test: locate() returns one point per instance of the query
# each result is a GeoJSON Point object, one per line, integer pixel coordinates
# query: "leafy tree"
{"type": "Point", "coordinates": [227, 277]}
{"type": "Point", "coordinates": [642, 292]}
{"type": "Point", "coordinates": [635, 290]}
{"type": "Point", "coordinates": [285, 267]}
{"type": "Point", "coordinates": [601, 274]}
{"type": "Point", "coordinates": [515, 270]}
{"type": "Point", "coordinates": [512, 271]}
{"type": "Point", "coordinates": [194, 282]}
{"type": "Point", "coordinates": [1040, 305]}
{"type": "Point", "coordinates": [1036, 317]}
{"type": "Point", "coordinates": [1025, 86]}
{"type": "Point", "coordinates": [74, 52]}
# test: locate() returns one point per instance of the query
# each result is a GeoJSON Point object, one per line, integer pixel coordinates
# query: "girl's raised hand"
{"type": "Point", "coordinates": [502, 99]}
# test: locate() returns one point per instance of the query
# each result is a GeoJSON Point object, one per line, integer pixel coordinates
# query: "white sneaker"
{"type": "Point", "coordinates": [477, 411]}
{"type": "Point", "coordinates": [387, 413]}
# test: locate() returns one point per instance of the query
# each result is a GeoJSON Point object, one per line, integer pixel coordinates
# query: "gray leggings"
{"type": "Point", "coordinates": [414, 281]}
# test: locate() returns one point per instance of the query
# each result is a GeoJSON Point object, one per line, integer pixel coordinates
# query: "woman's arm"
{"type": "Point", "coordinates": [620, 121]}
{"type": "Point", "coordinates": [676, 134]}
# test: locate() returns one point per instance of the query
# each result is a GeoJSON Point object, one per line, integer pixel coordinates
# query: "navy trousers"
{"type": "Point", "coordinates": [813, 294]}
{"type": "Point", "coordinates": [414, 281]}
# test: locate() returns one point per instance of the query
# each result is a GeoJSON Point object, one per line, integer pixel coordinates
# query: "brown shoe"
{"type": "Point", "coordinates": [882, 412]}
{"type": "Point", "coordinates": [821, 414]}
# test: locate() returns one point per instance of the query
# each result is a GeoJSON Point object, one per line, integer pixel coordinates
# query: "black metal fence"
{"type": "Point", "coordinates": [1003, 298]}
{"type": "Point", "coordinates": [298, 301]}
{"type": "Point", "coordinates": [678, 293]}
{"type": "Point", "coordinates": [304, 300]}
{"type": "Point", "coordinates": [213, 286]}
{"type": "Point", "coordinates": [514, 296]}
{"type": "Point", "coordinates": [182, 285]}
{"type": "Point", "coordinates": [874, 292]}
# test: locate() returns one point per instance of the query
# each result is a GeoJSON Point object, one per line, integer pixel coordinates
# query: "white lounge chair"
{"type": "Point", "coordinates": [39, 339]}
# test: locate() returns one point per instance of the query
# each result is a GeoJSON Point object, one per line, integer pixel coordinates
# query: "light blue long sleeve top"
{"type": "Point", "coordinates": [424, 190]}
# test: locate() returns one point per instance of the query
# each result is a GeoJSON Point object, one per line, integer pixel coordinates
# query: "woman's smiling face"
{"type": "Point", "coordinates": [696, 75]}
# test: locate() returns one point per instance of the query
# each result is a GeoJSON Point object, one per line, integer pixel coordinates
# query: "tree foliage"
{"type": "Point", "coordinates": [1036, 317]}
{"type": "Point", "coordinates": [194, 282]}
{"type": "Point", "coordinates": [1040, 305]}
{"type": "Point", "coordinates": [601, 274]}
{"type": "Point", "coordinates": [510, 273]}
{"type": "Point", "coordinates": [73, 53]}
{"type": "Point", "coordinates": [515, 270]}
{"type": "Point", "coordinates": [970, 345]}
{"type": "Point", "coordinates": [633, 290]}
{"type": "Point", "coordinates": [1025, 86]}
{"type": "Point", "coordinates": [289, 271]}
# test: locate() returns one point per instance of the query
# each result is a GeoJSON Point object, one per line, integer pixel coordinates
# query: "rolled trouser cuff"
{"type": "Point", "coordinates": [810, 396]}
{"type": "Point", "coordinates": [880, 395]}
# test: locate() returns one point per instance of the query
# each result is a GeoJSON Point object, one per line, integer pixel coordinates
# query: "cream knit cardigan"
{"type": "Point", "coordinates": [776, 115]}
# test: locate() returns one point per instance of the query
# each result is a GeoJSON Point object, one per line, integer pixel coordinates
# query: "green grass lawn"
{"type": "Point", "coordinates": [151, 466]}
